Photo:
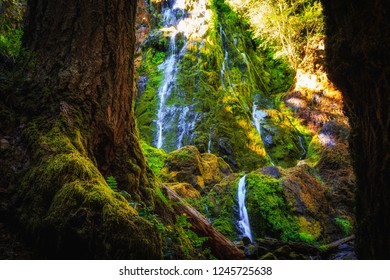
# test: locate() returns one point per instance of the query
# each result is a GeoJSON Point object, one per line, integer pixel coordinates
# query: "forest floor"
{"type": "Point", "coordinates": [13, 247]}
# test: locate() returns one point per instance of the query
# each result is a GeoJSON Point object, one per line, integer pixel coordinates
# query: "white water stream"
{"type": "Point", "coordinates": [224, 67]}
{"type": "Point", "coordinates": [184, 25]}
{"type": "Point", "coordinates": [243, 222]}
{"type": "Point", "coordinates": [303, 155]}
{"type": "Point", "coordinates": [171, 20]}
{"type": "Point", "coordinates": [209, 144]}
{"type": "Point", "coordinates": [258, 116]}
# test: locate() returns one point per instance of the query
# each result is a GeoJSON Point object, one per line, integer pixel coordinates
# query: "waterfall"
{"type": "Point", "coordinates": [303, 155]}
{"type": "Point", "coordinates": [166, 88]}
{"type": "Point", "coordinates": [209, 145]}
{"type": "Point", "coordinates": [224, 68]}
{"type": "Point", "coordinates": [184, 25]}
{"type": "Point", "coordinates": [186, 124]}
{"type": "Point", "coordinates": [170, 19]}
{"type": "Point", "coordinates": [243, 222]}
{"type": "Point", "coordinates": [182, 126]}
{"type": "Point", "coordinates": [258, 116]}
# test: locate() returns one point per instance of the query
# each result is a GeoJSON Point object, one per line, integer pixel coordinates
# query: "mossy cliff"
{"type": "Point", "coordinates": [221, 72]}
{"type": "Point", "coordinates": [240, 100]}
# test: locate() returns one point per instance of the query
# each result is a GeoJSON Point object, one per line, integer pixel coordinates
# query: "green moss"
{"type": "Point", "coordinates": [11, 43]}
{"type": "Point", "coordinates": [155, 157]}
{"type": "Point", "coordinates": [345, 225]}
{"type": "Point", "coordinates": [67, 204]}
{"type": "Point", "coordinates": [226, 227]}
{"type": "Point", "coordinates": [314, 151]}
{"type": "Point", "coordinates": [306, 237]}
{"type": "Point", "coordinates": [11, 33]}
{"type": "Point", "coordinates": [268, 211]}
{"type": "Point", "coordinates": [182, 154]}
{"type": "Point", "coordinates": [147, 104]}
{"type": "Point", "coordinates": [179, 240]}
{"type": "Point", "coordinates": [220, 204]}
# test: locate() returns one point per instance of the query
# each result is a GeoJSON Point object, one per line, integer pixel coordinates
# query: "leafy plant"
{"type": "Point", "coordinates": [111, 181]}
{"type": "Point", "coordinates": [306, 237]}
{"type": "Point", "coordinates": [162, 196]}
{"type": "Point", "coordinates": [290, 26]}
{"type": "Point", "coordinates": [11, 28]}
{"type": "Point", "coordinates": [155, 157]}
{"type": "Point", "coordinates": [11, 43]}
{"type": "Point", "coordinates": [345, 225]}
{"type": "Point", "coordinates": [189, 241]}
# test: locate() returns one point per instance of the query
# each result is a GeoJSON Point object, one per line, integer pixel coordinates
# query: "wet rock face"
{"type": "Point", "coordinates": [358, 63]}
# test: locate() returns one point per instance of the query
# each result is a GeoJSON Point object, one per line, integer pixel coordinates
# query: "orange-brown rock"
{"type": "Point", "coordinates": [188, 165]}
{"type": "Point", "coordinates": [185, 190]}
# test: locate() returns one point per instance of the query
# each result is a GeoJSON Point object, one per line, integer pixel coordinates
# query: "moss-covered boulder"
{"type": "Point", "coordinates": [188, 165]}
{"type": "Point", "coordinates": [214, 169]}
{"type": "Point", "coordinates": [184, 190]}
{"type": "Point", "coordinates": [281, 139]}
{"type": "Point", "coordinates": [329, 154]}
{"type": "Point", "coordinates": [305, 192]}
{"type": "Point", "coordinates": [269, 212]}
{"type": "Point", "coordinates": [184, 165]}
{"type": "Point", "coordinates": [335, 168]}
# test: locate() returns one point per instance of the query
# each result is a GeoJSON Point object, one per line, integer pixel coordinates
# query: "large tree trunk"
{"type": "Point", "coordinates": [74, 126]}
{"type": "Point", "coordinates": [358, 40]}
{"type": "Point", "coordinates": [84, 54]}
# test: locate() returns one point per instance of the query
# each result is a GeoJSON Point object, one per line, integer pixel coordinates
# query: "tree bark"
{"type": "Point", "coordinates": [84, 56]}
{"type": "Point", "coordinates": [358, 38]}
{"type": "Point", "coordinates": [74, 125]}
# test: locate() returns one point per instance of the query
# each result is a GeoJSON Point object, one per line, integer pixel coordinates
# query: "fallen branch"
{"type": "Point", "coordinates": [336, 244]}
{"type": "Point", "coordinates": [220, 246]}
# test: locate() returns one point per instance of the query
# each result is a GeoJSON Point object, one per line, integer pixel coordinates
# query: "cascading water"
{"type": "Point", "coordinates": [176, 115]}
{"type": "Point", "coordinates": [186, 124]}
{"type": "Point", "coordinates": [169, 76]}
{"type": "Point", "coordinates": [182, 126]}
{"type": "Point", "coordinates": [169, 66]}
{"type": "Point", "coordinates": [258, 116]}
{"type": "Point", "coordinates": [209, 144]}
{"type": "Point", "coordinates": [224, 68]}
{"type": "Point", "coordinates": [303, 155]}
{"type": "Point", "coordinates": [243, 222]}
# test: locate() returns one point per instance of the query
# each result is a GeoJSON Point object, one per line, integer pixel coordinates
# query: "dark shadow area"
{"type": "Point", "coordinates": [357, 47]}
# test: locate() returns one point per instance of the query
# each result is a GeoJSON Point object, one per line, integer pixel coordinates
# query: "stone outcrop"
{"type": "Point", "coordinates": [188, 165]}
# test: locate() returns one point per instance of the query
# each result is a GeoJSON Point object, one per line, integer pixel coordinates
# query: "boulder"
{"type": "Point", "coordinates": [188, 165]}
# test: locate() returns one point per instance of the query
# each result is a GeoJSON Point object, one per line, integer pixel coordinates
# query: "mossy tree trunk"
{"type": "Point", "coordinates": [358, 39]}
{"type": "Point", "coordinates": [74, 125]}
{"type": "Point", "coordinates": [84, 55]}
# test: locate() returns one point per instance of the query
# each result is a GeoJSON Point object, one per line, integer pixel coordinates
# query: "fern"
{"type": "Point", "coordinates": [111, 181]}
